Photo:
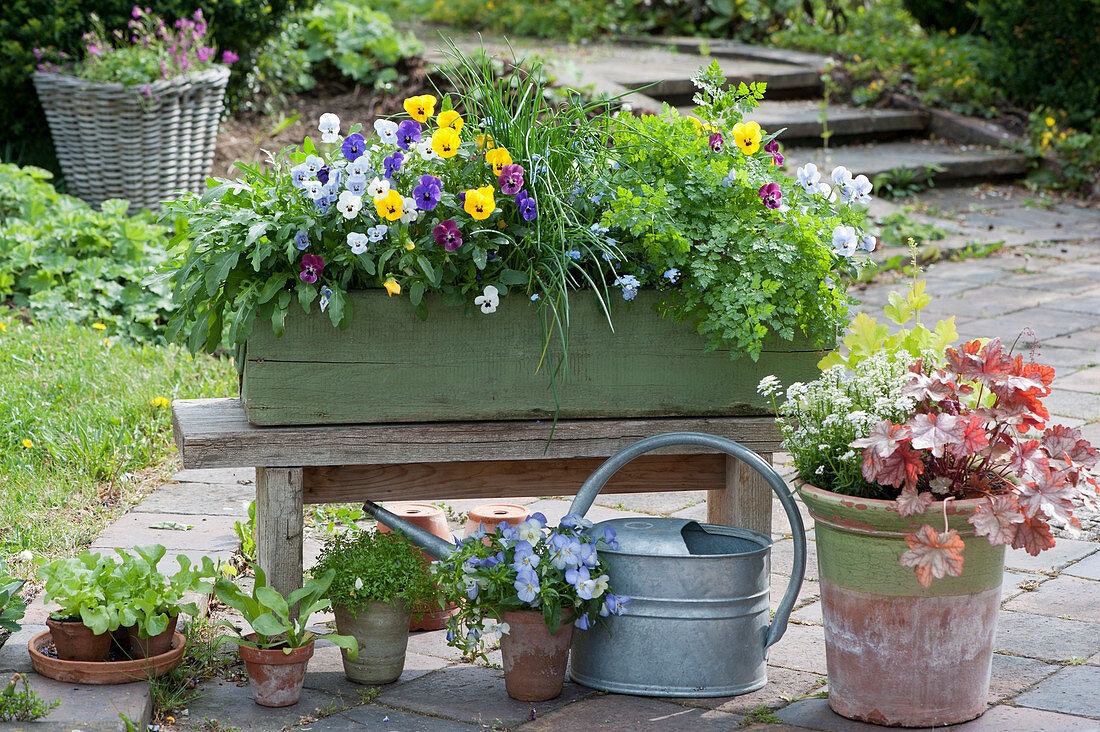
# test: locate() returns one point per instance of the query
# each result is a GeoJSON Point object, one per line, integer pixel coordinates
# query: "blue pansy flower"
{"type": "Point", "coordinates": [527, 585]}
{"type": "Point", "coordinates": [353, 147]}
{"type": "Point", "coordinates": [672, 275]}
{"type": "Point", "coordinates": [392, 164]}
{"type": "Point", "coordinates": [301, 240]}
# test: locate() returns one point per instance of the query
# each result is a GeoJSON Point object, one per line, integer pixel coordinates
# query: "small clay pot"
{"type": "Point", "coordinates": [534, 660]}
{"type": "Point", "coordinates": [491, 514]}
{"type": "Point", "coordinates": [75, 641]}
{"type": "Point", "coordinates": [120, 644]}
{"type": "Point", "coordinates": [153, 645]}
{"type": "Point", "coordinates": [276, 677]}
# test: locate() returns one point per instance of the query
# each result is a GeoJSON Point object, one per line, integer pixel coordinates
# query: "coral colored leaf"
{"type": "Point", "coordinates": [1069, 445]}
{"type": "Point", "coordinates": [1028, 459]}
{"type": "Point", "coordinates": [997, 520]}
{"type": "Point", "coordinates": [974, 438]}
{"type": "Point", "coordinates": [899, 467]}
{"type": "Point", "coordinates": [911, 503]}
{"type": "Point", "coordinates": [933, 555]}
{"type": "Point", "coordinates": [883, 439]}
{"type": "Point", "coordinates": [1033, 536]}
{"type": "Point", "coordinates": [935, 431]}
{"type": "Point", "coordinates": [1052, 493]}
{"type": "Point", "coordinates": [933, 386]}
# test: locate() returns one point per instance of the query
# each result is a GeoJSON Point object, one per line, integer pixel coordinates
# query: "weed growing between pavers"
{"type": "Point", "coordinates": [20, 703]}
{"type": "Point", "coordinates": [202, 660]}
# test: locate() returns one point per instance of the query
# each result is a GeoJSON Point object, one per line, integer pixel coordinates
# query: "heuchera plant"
{"type": "Point", "coordinates": [979, 430]}
{"type": "Point", "coordinates": [529, 567]}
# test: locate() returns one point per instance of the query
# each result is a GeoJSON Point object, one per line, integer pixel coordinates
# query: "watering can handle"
{"type": "Point", "coordinates": [587, 494]}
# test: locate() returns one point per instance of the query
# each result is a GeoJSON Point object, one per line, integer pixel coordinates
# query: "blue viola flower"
{"type": "Point", "coordinates": [672, 275]}
{"type": "Point", "coordinates": [313, 164]}
{"type": "Point", "coordinates": [583, 622]}
{"type": "Point", "coordinates": [609, 537]}
{"type": "Point", "coordinates": [301, 240]}
{"type": "Point", "coordinates": [358, 242]}
{"type": "Point", "coordinates": [359, 168]}
{"type": "Point", "coordinates": [586, 555]}
{"type": "Point", "coordinates": [527, 585]}
{"type": "Point", "coordinates": [353, 146]}
{"type": "Point", "coordinates": [539, 515]}
{"type": "Point", "coordinates": [357, 185]}
{"type": "Point", "coordinates": [616, 605]}
{"type": "Point", "coordinates": [574, 521]}
{"type": "Point", "coordinates": [574, 254]}
{"type": "Point", "coordinates": [326, 295]}
{"type": "Point", "coordinates": [392, 164]}
{"type": "Point", "coordinates": [428, 194]}
{"type": "Point", "coordinates": [408, 134]}
{"type": "Point", "coordinates": [377, 233]}
{"type": "Point", "coordinates": [534, 297]}
{"type": "Point", "coordinates": [450, 635]}
{"type": "Point", "coordinates": [527, 207]}
{"type": "Point", "coordinates": [299, 175]}
{"type": "Point", "coordinates": [471, 589]}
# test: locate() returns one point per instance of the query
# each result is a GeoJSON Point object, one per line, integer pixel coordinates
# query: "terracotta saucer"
{"type": "Point", "coordinates": [103, 672]}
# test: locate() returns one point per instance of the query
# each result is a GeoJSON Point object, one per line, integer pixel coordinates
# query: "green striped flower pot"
{"type": "Point", "coordinates": [898, 653]}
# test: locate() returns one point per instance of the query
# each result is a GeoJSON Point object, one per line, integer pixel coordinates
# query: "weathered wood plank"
{"type": "Point", "coordinates": [508, 478]}
{"type": "Point", "coordinates": [389, 366]}
{"type": "Point", "coordinates": [279, 526]}
{"type": "Point", "coordinates": [213, 433]}
{"type": "Point", "coordinates": [746, 501]}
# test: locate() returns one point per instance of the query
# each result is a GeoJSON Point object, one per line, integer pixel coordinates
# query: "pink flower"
{"type": "Point", "coordinates": [773, 148]}
{"type": "Point", "coordinates": [770, 194]}
{"type": "Point", "coordinates": [312, 266]}
{"type": "Point", "coordinates": [229, 57]}
{"type": "Point", "coordinates": [716, 142]}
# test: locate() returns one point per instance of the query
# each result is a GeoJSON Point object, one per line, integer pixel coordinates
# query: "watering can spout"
{"type": "Point", "coordinates": [423, 538]}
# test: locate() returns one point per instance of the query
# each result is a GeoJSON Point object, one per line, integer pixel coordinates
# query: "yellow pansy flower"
{"type": "Point", "coordinates": [28, 444]}
{"type": "Point", "coordinates": [99, 326]}
{"type": "Point", "coordinates": [391, 207]}
{"type": "Point", "coordinates": [480, 203]}
{"type": "Point", "coordinates": [450, 119]}
{"type": "Point", "coordinates": [392, 287]}
{"type": "Point", "coordinates": [485, 141]}
{"type": "Point", "coordinates": [747, 136]}
{"type": "Point", "coordinates": [498, 157]}
{"type": "Point", "coordinates": [445, 142]}
{"type": "Point", "coordinates": [409, 246]}
{"type": "Point", "coordinates": [421, 107]}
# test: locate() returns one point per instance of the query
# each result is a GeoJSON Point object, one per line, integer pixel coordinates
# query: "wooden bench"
{"type": "Point", "coordinates": [458, 460]}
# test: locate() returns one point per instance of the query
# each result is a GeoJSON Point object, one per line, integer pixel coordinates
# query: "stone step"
{"type": "Point", "coordinates": [960, 162]}
{"type": "Point", "coordinates": [802, 122]}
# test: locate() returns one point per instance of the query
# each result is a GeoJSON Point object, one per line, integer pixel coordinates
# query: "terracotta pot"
{"type": "Point", "coordinates": [430, 518]}
{"type": "Point", "coordinates": [382, 631]}
{"type": "Point", "coordinates": [898, 653]}
{"type": "Point", "coordinates": [492, 514]}
{"type": "Point", "coordinates": [102, 672]}
{"type": "Point", "coordinates": [534, 660]}
{"type": "Point", "coordinates": [120, 643]}
{"type": "Point", "coordinates": [276, 677]}
{"type": "Point", "coordinates": [75, 641]}
{"type": "Point", "coordinates": [153, 645]}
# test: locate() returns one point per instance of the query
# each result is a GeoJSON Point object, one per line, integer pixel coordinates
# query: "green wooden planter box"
{"type": "Point", "coordinates": [389, 366]}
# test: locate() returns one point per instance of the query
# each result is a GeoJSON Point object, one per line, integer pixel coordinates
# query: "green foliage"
{"type": "Point", "coordinates": [246, 534]}
{"type": "Point", "coordinates": [268, 613]}
{"type": "Point", "coordinates": [571, 19]}
{"type": "Point", "coordinates": [12, 606]}
{"type": "Point", "coordinates": [360, 43]}
{"type": "Point", "coordinates": [108, 593]}
{"type": "Point", "coordinates": [151, 599]}
{"type": "Point", "coordinates": [898, 227]}
{"type": "Point", "coordinates": [1076, 152]}
{"type": "Point", "coordinates": [281, 68]}
{"type": "Point", "coordinates": [372, 566]}
{"type": "Point", "coordinates": [65, 261]}
{"type": "Point", "coordinates": [905, 182]}
{"type": "Point", "coordinates": [82, 416]}
{"type": "Point", "coordinates": [945, 15]}
{"type": "Point", "coordinates": [237, 25]}
{"type": "Point", "coordinates": [1050, 59]}
{"type": "Point", "coordinates": [22, 705]}
{"type": "Point", "coordinates": [885, 50]}
{"type": "Point", "coordinates": [747, 271]}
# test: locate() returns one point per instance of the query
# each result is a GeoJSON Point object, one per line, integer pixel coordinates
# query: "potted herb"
{"type": "Point", "coordinates": [911, 452]}
{"type": "Point", "coordinates": [152, 93]}
{"type": "Point", "coordinates": [378, 579]}
{"type": "Point", "coordinates": [151, 604]}
{"type": "Point", "coordinates": [279, 647]}
{"type": "Point", "coordinates": [89, 598]}
{"type": "Point", "coordinates": [497, 204]}
{"type": "Point", "coordinates": [12, 606]}
{"type": "Point", "coordinates": [527, 586]}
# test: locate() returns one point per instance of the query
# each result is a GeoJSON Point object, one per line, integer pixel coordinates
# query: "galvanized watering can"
{"type": "Point", "coordinates": [698, 624]}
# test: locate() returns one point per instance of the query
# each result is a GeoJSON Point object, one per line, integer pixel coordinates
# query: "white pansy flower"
{"type": "Point", "coordinates": [488, 300]}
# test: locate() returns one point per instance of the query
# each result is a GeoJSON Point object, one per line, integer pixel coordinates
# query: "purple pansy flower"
{"type": "Point", "coordinates": [773, 148]}
{"type": "Point", "coordinates": [770, 194]}
{"type": "Point", "coordinates": [353, 146]}
{"type": "Point", "coordinates": [428, 193]}
{"type": "Point", "coordinates": [312, 266]}
{"type": "Point", "coordinates": [408, 134]}
{"type": "Point", "coordinates": [716, 141]}
{"type": "Point", "coordinates": [392, 164]}
{"type": "Point", "coordinates": [447, 235]}
{"type": "Point", "coordinates": [322, 174]}
{"type": "Point", "coordinates": [511, 179]}
{"type": "Point", "coordinates": [527, 207]}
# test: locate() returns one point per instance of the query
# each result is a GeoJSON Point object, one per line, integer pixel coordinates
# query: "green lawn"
{"type": "Point", "coordinates": [85, 429]}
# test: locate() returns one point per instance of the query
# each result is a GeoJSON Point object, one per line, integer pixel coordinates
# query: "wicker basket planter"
{"type": "Point", "coordinates": [115, 141]}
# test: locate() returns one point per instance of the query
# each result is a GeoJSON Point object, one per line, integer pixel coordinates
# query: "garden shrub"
{"type": "Point", "coordinates": [1047, 57]}
{"type": "Point", "coordinates": [61, 259]}
{"type": "Point", "coordinates": [359, 43]}
{"type": "Point", "coordinates": [237, 25]}
{"type": "Point", "coordinates": [944, 15]}
{"type": "Point", "coordinates": [572, 19]}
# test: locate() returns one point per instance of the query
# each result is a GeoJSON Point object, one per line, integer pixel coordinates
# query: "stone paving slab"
{"type": "Point", "coordinates": [1073, 690]}
{"type": "Point", "coordinates": [373, 716]}
{"type": "Point", "coordinates": [1011, 675]}
{"type": "Point", "coordinates": [1044, 638]}
{"type": "Point", "coordinates": [87, 708]}
{"type": "Point", "coordinates": [197, 499]}
{"type": "Point", "coordinates": [1061, 597]}
{"type": "Point", "coordinates": [472, 694]}
{"type": "Point", "coordinates": [233, 707]}
{"type": "Point", "coordinates": [614, 713]}
{"type": "Point", "coordinates": [959, 163]}
{"type": "Point", "coordinates": [1089, 567]}
{"type": "Point", "coordinates": [815, 714]}
{"type": "Point", "coordinates": [210, 533]}
{"type": "Point", "coordinates": [783, 685]}
{"type": "Point", "coordinates": [800, 120]}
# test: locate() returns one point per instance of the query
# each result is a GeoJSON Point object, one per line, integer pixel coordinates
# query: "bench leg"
{"type": "Point", "coordinates": [279, 526]}
{"type": "Point", "coordinates": [747, 500]}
